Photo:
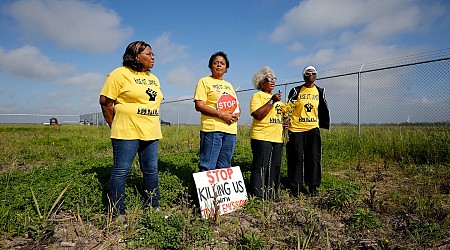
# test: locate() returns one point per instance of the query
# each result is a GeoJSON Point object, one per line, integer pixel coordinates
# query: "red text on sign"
{"type": "Point", "coordinates": [231, 206]}
{"type": "Point", "coordinates": [217, 175]}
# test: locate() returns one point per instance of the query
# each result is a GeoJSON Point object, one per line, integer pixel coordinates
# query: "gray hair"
{"type": "Point", "coordinates": [260, 75]}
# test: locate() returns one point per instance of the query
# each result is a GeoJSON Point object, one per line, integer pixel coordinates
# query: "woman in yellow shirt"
{"type": "Point", "coordinates": [304, 148]}
{"type": "Point", "coordinates": [217, 101]}
{"type": "Point", "coordinates": [130, 101]}
{"type": "Point", "coordinates": [266, 136]}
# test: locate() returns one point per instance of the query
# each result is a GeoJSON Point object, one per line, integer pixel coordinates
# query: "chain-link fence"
{"type": "Point", "coordinates": [414, 89]}
{"type": "Point", "coordinates": [412, 92]}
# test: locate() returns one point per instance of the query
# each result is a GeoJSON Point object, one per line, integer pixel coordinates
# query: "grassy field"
{"type": "Point", "coordinates": [388, 189]}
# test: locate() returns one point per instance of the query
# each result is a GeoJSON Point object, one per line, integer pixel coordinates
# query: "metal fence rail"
{"type": "Point", "coordinates": [411, 89]}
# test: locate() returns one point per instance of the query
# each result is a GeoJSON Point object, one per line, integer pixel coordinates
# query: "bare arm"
{"type": "Point", "coordinates": [205, 110]}
{"type": "Point", "coordinates": [107, 108]}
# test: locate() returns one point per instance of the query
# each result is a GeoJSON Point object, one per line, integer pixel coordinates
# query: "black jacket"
{"type": "Point", "coordinates": [324, 113]}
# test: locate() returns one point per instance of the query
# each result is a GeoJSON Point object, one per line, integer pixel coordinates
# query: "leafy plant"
{"type": "Point", "coordinates": [166, 232]}
{"type": "Point", "coordinates": [364, 219]}
{"type": "Point", "coordinates": [251, 241]}
{"type": "Point", "coordinates": [424, 232]}
{"type": "Point", "coordinates": [341, 197]}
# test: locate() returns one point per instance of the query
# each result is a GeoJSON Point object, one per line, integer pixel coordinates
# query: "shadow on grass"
{"type": "Point", "coordinates": [102, 173]}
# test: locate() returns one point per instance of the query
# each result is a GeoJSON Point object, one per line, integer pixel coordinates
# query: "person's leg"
{"type": "Point", "coordinates": [148, 159]}
{"type": "Point", "coordinates": [313, 159]}
{"type": "Point", "coordinates": [210, 145]}
{"type": "Point", "coordinates": [294, 151]}
{"type": "Point", "coordinates": [259, 168]}
{"type": "Point", "coordinates": [226, 151]}
{"type": "Point", "coordinates": [275, 170]}
{"type": "Point", "coordinates": [124, 152]}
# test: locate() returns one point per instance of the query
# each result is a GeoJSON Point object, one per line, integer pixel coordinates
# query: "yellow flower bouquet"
{"type": "Point", "coordinates": [286, 110]}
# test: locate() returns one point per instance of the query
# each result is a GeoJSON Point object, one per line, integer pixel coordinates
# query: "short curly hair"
{"type": "Point", "coordinates": [130, 56]}
{"type": "Point", "coordinates": [260, 75]}
{"type": "Point", "coordinates": [219, 53]}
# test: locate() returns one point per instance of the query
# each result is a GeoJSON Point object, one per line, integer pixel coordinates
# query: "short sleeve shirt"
{"type": "Point", "coordinates": [271, 127]}
{"type": "Point", "coordinates": [137, 98]}
{"type": "Point", "coordinates": [305, 115]}
{"type": "Point", "coordinates": [209, 90]}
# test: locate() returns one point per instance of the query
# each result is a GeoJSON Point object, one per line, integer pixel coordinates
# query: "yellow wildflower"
{"type": "Point", "coordinates": [286, 110]}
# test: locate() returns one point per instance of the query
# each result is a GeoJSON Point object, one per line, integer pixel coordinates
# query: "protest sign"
{"type": "Point", "coordinates": [220, 191]}
{"type": "Point", "coordinates": [227, 102]}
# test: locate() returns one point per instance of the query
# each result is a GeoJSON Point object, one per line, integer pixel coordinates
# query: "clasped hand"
{"type": "Point", "coordinates": [230, 117]}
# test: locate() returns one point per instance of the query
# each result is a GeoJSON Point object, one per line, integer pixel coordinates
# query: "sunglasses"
{"type": "Point", "coordinates": [149, 54]}
{"type": "Point", "coordinates": [271, 79]}
{"type": "Point", "coordinates": [310, 73]}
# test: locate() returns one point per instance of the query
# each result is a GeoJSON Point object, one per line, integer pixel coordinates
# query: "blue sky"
{"type": "Point", "coordinates": [55, 55]}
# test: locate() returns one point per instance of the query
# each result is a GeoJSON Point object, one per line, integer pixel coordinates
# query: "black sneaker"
{"type": "Point", "coordinates": [313, 191]}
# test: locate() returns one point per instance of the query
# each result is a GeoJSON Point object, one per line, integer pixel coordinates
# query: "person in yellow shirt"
{"type": "Point", "coordinates": [130, 101]}
{"type": "Point", "coordinates": [304, 147]}
{"type": "Point", "coordinates": [266, 136]}
{"type": "Point", "coordinates": [217, 102]}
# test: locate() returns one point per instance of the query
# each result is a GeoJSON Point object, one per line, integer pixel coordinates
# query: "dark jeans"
{"type": "Point", "coordinates": [216, 150]}
{"type": "Point", "coordinates": [124, 152]}
{"type": "Point", "coordinates": [266, 165]}
{"type": "Point", "coordinates": [304, 152]}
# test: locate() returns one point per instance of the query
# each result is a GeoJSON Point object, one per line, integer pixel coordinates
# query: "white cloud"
{"type": "Point", "coordinates": [316, 17]}
{"type": "Point", "coordinates": [90, 81]}
{"type": "Point", "coordinates": [28, 62]}
{"type": "Point", "coordinates": [167, 51]}
{"type": "Point", "coordinates": [71, 24]}
{"type": "Point", "coordinates": [296, 46]}
{"type": "Point", "coordinates": [353, 30]}
{"type": "Point", "coordinates": [328, 16]}
{"type": "Point", "coordinates": [322, 56]}
{"type": "Point", "coordinates": [180, 76]}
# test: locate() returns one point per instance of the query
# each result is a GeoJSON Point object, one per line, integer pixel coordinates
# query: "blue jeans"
{"type": "Point", "coordinates": [216, 150]}
{"type": "Point", "coordinates": [124, 152]}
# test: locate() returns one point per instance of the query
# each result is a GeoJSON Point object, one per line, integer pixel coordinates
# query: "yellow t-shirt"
{"type": "Point", "coordinates": [137, 98]}
{"type": "Point", "coordinates": [305, 115]}
{"type": "Point", "coordinates": [271, 127]}
{"type": "Point", "coordinates": [209, 90]}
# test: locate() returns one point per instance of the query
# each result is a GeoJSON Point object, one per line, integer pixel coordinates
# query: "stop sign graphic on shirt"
{"type": "Point", "coordinates": [227, 102]}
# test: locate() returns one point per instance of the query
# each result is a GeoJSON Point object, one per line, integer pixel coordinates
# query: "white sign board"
{"type": "Point", "coordinates": [220, 191]}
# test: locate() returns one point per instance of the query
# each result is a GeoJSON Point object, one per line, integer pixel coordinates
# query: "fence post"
{"type": "Point", "coordinates": [359, 100]}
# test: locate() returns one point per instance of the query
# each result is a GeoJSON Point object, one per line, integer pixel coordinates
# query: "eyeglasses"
{"type": "Point", "coordinates": [271, 79]}
{"type": "Point", "coordinates": [148, 54]}
{"type": "Point", "coordinates": [310, 73]}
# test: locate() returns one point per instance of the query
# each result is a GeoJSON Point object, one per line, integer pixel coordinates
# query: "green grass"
{"type": "Point", "coordinates": [391, 185]}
